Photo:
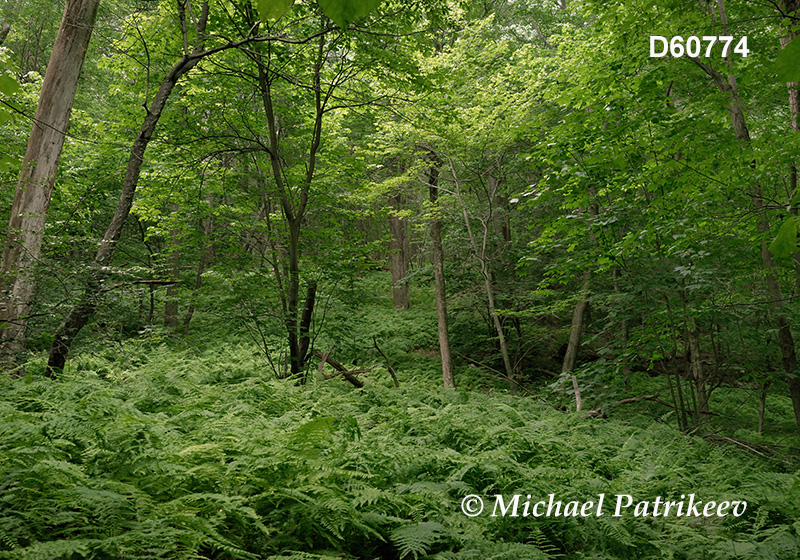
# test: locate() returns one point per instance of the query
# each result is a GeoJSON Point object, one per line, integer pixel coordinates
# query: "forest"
{"type": "Point", "coordinates": [399, 280]}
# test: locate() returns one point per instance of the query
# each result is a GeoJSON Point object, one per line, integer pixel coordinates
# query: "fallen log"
{"type": "Point", "coordinates": [348, 374]}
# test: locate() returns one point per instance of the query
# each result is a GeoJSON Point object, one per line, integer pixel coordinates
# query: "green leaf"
{"type": "Point", "coordinates": [787, 65]}
{"type": "Point", "coordinates": [344, 12]}
{"type": "Point", "coordinates": [272, 9]}
{"type": "Point", "coordinates": [6, 163]}
{"type": "Point", "coordinates": [785, 243]}
{"type": "Point", "coordinates": [415, 540]}
{"type": "Point", "coordinates": [8, 85]}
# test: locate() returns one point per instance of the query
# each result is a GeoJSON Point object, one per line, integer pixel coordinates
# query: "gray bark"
{"type": "Point", "coordinates": [574, 343]}
{"type": "Point", "coordinates": [437, 258]}
{"type": "Point", "coordinates": [480, 254]}
{"type": "Point", "coordinates": [398, 255]}
{"type": "Point", "coordinates": [32, 198]}
{"type": "Point", "coordinates": [576, 328]}
{"type": "Point", "coordinates": [6, 27]}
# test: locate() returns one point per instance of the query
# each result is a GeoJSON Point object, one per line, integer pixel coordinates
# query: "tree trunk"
{"type": "Point", "coordinates": [174, 262]}
{"type": "Point", "coordinates": [697, 372]}
{"type": "Point", "coordinates": [206, 256]}
{"type": "Point", "coordinates": [480, 254]}
{"type": "Point", "coordinates": [762, 407]}
{"type": "Point", "coordinates": [785, 337]}
{"type": "Point", "coordinates": [294, 204]}
{"type": "Point", "coordinates": [792, 6]}
{"type": "Point", "coordinates": [574, 344]}
{"type": "Point", "coordinates": [6, 27]}
{"type": "Point", "coordinates": [305, 324]}
{"type": "Point", "coordinates": [398, 254]}
{"type": "Point", "coordinates": [437, 258]}
{"type": "Point", "coordinates": [32, 198]}
{"type": "Point", "coordinates": [576, 328]}
{"type": "Point", "coordinates": [80, 314]}
{"type": "Point", "coordinates": [501, 335]}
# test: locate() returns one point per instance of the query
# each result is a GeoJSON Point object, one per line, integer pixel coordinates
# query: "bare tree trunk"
{"type": "Point", "coordinates": [80, 314]}
{"type": "Point", "coordinates": [576, 328]}
{"type": "Point", "coordinates": [206, 256]}
{"type": "Point", "coordinates": [294, 204]}
{"type": "Point", "coordinates": [32, 198]}
{"type": "Point", "coordinates": [794, 109]}
{"type": "Point", "coordinates": [437, 257]}
{"type": "Point", "coordinates": [398, 254]}
{"type": "Point", "coordinates": [762, 407]}
{"type": "Point", "coordinates": [695, 365]}
{"type": "Point", "coordinates": [698, 374]}
{"type": "Point", "coordinates": [574, 344]}
{"type": "Point", "coordinates": [683, 422]}
{"type": "Point", "coordinates": [174, 262]}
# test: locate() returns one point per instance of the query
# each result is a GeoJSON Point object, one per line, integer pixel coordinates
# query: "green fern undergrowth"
{"type": "Point", "coordinates": [171, 452]}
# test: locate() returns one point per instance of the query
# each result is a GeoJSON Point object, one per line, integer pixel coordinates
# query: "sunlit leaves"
{"type": "Point", "coordinates": [344, 12]}
{"type": "Point", "coordinates": [272, 9]}
{"type": "Point", "coordinates": [8, 86]}
{"type": "Point", "coordinates": [341, 12]}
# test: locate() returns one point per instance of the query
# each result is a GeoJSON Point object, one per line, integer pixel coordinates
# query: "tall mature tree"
{"type": "Point", "coordinates": [32, 198]}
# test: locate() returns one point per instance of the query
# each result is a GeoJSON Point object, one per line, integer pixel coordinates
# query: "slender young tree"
{"type": "Point", "coordinates": [437, 258]}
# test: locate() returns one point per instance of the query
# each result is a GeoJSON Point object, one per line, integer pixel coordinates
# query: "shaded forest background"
{"type": "Point", "coordinates": [278, 235]}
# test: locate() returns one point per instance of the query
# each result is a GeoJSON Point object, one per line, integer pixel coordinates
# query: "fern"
{"type": "Point", "coordinates": [186, 455]}
{"type": "Point", "coordinates": [415, 540]}
{"type": "Point", "coordinates": [53, 550]}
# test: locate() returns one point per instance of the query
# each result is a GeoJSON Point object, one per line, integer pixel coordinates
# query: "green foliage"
{"type": "Point", "coordinates": [416, 540]}
{"type": "Point", "coordinates": [785, 243]}
{"type": "Point", "coordinates": [572, 154]}
{"type": "Point", "coordinates": [272, 9]}
{"type": "Point", "coordinates": [198, 453]}
{"type": "Point", "coordinates": [341, 12]}
{"type": "Point", "coordinates": [787, 64]}
{"type": "Point", "coordinates": [344, 12]}
{"type": "Point", "coordinates": [9, 87]}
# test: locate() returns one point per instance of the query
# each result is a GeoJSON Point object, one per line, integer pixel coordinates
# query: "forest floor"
{"type": "Point", "coordinates": [168, 447]}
